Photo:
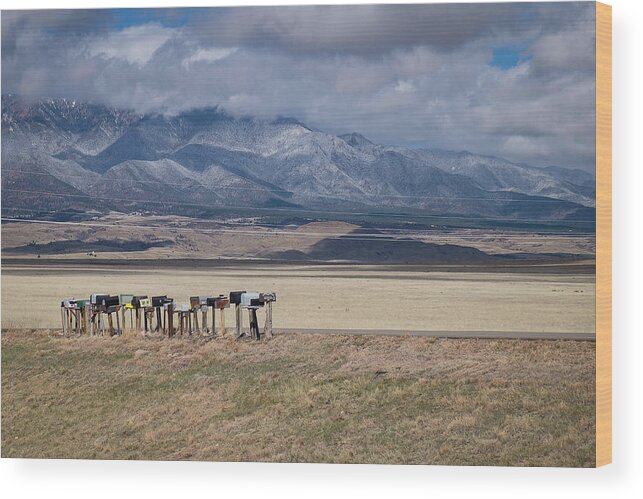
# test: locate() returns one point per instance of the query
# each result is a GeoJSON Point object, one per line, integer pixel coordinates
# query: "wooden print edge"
{"type": "Point", "coordinates": [603, 234]}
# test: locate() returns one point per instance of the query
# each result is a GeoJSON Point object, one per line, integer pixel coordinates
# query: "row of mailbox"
{"type": "Point", "coordinates": [242, 298]}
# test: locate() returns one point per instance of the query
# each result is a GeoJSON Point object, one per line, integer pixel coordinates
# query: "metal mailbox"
{"type": "Point", "coordinates": [112, 301]}
{"type": "Point", "coordinates": [267, 297]}
{"type": "Point", "coordinates": [248, 297]}
{"type": "Point", "coordinates": [126, 299]}
{"type": "Point", "coordinates": [136, 300]}
{"type": "Point", "coordinates": [219, 302]}
{"type": "Point", "coordinates": [235, 297]}
{"type": "Point", "coordinates": [159, 301]}
{"type": "Point", "coordinates": [97, 298]}
{"type": "Point", "coordinates": [144, 302]}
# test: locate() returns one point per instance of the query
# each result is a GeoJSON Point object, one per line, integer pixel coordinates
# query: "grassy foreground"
{"type": "Point", "coordinates": [296, 398]}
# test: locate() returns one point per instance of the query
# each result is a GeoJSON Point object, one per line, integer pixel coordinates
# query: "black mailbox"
{"type": "Point", "coordinates": [136, 301]}
{"type": "Point", "coordinates": [159, 301]}
{"type": "Point", "coordinates": [112, 301]}
{"type": "Point", "coordinates": [235, 297]}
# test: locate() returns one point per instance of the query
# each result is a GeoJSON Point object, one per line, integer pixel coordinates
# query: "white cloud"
{"type": "Point", "coordinates": [399, 91]}
{"type": "Point", "coordinates": [404, 87]}
{"type": "Point", "coordinates": [136, 44]}
{"type": "Point", "coordinates": [208, 55]}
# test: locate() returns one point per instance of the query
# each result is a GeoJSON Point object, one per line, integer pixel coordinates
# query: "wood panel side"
{"type": "Point", "coordinates": [603, 234]}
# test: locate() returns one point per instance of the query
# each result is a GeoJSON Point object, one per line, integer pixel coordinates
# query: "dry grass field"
{"type": "Point", "coordinates": [299, 398]}
{"type": "Point", "coordinates": [326, 297]}
{"type": "Point", "coordinates": [340, 399]}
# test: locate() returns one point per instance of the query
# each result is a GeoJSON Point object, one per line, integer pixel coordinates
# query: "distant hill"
{"type": "Point", "coordinates": [79, 155]}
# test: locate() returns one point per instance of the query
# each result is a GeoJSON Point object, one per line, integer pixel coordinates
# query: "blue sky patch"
{"type": "Point", "coordinates": [506, 57]}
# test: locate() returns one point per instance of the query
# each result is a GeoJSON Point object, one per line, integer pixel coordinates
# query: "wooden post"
{"type": "Point", "coordinates": [62, 318]}
{"type": "Point", "coordinates": [239, 318]}
{"type": "Point", "coordinates": [110, 324]}
{"type": "Point", "coordinates": [267, 327]}
{"type": "Point", "coordinates": [170, 320]}
{"type": "Point", "coordinates": [87, 318]}
{"type": "Point", "coordinates": [77, 315]}
{"type": "Point", "coordinates": [213, 320]}
{"type": "Point", "coordinates": [222, 321]}
{"type": "Point", "coordinates": [118, 324]}
{"type": "Point", "coordinates": [254, 324]}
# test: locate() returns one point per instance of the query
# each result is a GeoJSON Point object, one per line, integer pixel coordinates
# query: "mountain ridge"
{"type": "Point", "coordinates": [221, 160]}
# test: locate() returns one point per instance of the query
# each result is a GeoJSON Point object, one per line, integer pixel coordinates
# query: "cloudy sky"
{"type": "Point", "coordinates": [514, 80]}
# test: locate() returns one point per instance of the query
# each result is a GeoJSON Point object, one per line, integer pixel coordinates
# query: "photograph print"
{"type": "Point", "coordinates": [327, 234]}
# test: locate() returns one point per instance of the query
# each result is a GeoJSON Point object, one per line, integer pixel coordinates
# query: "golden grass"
{"type": "Point", "coordinates": [299, 398]}
{"type": "Point", "coordinates": [345, 297]}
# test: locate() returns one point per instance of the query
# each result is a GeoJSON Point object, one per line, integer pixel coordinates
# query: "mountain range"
{"type": "Point", "coordinates": [64, 154]}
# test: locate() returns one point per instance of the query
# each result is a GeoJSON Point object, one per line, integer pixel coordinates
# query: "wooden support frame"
{"type": "Point", "coordinates": [603, 234]}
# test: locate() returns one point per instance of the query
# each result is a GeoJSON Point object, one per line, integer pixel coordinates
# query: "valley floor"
{"type": "Point", "coordinates": [531, 299]}
{"type": "Point", "coordinates": [299, 398]}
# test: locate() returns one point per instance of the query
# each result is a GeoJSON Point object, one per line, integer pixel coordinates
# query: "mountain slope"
{"type": "Point", "coordinates": [207, 157]}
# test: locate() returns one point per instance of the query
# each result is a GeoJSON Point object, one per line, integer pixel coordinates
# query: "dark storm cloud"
{"type": "Point", "coordinates": [374, 29]}
{"type": "Point", "coordinates": [414, 75]}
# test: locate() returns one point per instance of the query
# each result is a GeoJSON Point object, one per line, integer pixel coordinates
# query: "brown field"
{"type": "Point", "coordinates": [338, 399]}
{"type": "Point", "coordinates": [327, 297]}
{"type": "Point", "coordinates": [192, 256]}
{"type": "Point", "coordinates": [304, 398]}
{"type": "Point", "coordinates": [181, 237]}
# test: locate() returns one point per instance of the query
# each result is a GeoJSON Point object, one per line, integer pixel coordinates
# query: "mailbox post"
{"type": "Point", "coordinates": [268, 299]}
{"type": "Point", "coordinates": [126, 306]}
{"type": "Point", "coordinates": [235, 298]}
{"type": "Point", "coordinates": [250, 301]}
{"type": "Point", "coordinates": [220, 302]}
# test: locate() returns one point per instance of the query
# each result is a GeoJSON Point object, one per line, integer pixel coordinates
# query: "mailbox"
{"type": "Point", "coordinates": [112, 301]}
{"type": "Point", "coordinates": [235, 297]}
{"type": "Point", "coordinates": [184, 308]}
{"type": "Point", "coordinates": [70, 304]}
{"type": "Point", "coordinates": [267, 297]}
{"type": "Point", "coordinates": [248, 297]}
{"type": "Point", "coordinates": [97, 298]}
{"type": "Point", "coordinates": [222, 302]}
{"type": "Point", "coordinates": [144, 302]}
{"type": "Point", "coordinates": [195, 301]}
{"type": "Point", "coordinates": [219, 302]}
{"type": "Point", "coordinates": [159, 301]}
{"type": "Point", "coordinates": [136, 300]}
{"type": "Point", "coordinates": [81, 303]}
{"type": "Point", "coordinates": [126, 299]}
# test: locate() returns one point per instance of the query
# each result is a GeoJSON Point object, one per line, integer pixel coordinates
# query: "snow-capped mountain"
{"type": "Point", "coordinates": [65, 153]}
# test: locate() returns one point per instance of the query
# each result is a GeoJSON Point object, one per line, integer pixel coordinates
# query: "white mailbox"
{"type": "Point", "coordinates": [248, 297]}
